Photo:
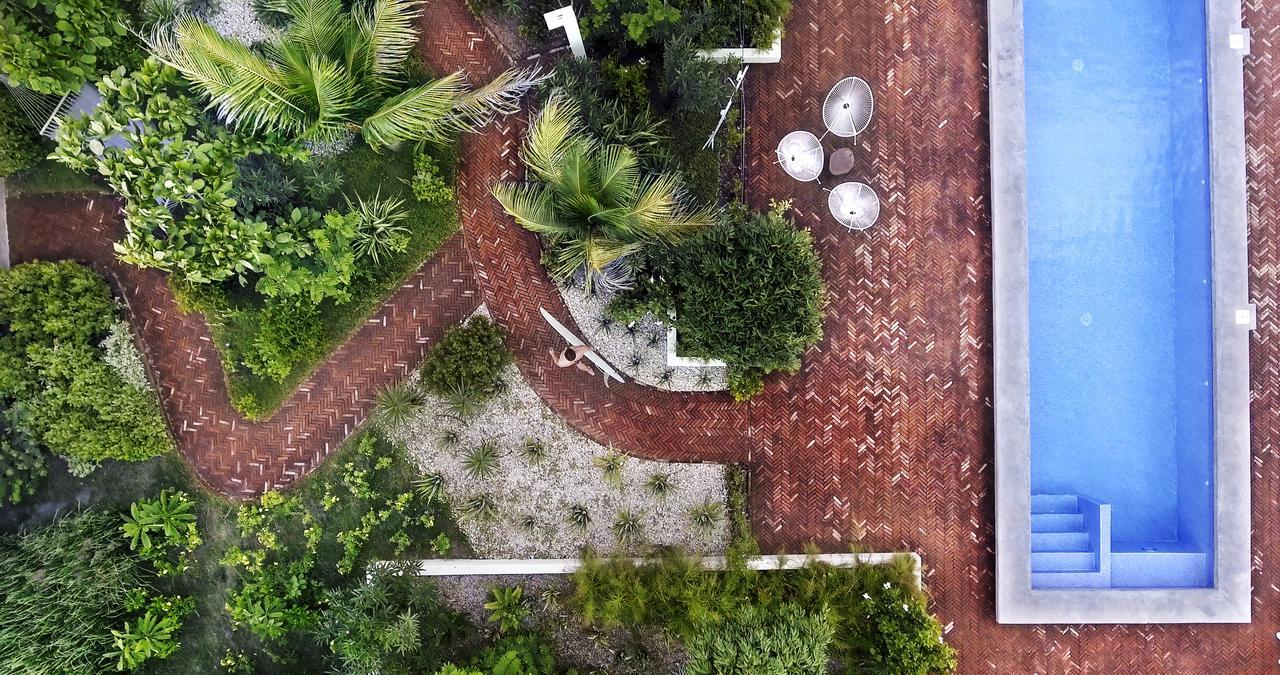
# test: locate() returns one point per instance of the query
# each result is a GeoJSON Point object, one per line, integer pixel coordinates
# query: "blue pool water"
{"type": "Point", "coordinates": [1119, 262]}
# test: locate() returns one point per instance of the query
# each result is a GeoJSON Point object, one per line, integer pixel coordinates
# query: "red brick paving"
{"type": "Point", "coordinates": [885, 436]}
{"type": "Point", "coordinates": [232, 455]}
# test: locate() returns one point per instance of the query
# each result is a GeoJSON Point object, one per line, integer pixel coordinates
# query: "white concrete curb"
{"type": "Point", "coordinates": [479, 567]}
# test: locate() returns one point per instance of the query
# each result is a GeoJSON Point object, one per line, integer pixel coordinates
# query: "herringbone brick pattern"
{"type": "Point", "coordinates": [644, 421]}
{"type": "Point", "coordinates": [232, 455]}
{"type": "Point", "coordinates": [885, 436]}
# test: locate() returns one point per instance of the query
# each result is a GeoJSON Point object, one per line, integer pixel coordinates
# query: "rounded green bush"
{"type": "Point", "coordinates": [748, 291]}
{"type": "Point", "coordinates": [470, 358]}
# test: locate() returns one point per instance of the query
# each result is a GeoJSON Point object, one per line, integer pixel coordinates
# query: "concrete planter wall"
{"type": "Point", "coordinates": [770, 54]}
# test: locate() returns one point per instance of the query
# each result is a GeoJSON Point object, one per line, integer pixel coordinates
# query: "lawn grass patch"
{"type": "Point", "coordinates": [48, 176]}
{"type": "Point", "coordinates": [235, 314]}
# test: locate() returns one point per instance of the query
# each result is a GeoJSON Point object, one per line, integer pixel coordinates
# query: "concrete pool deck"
{"type": "Point", "coordinates": [1229, 599]}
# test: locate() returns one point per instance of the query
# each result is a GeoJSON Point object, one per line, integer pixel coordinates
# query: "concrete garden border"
{"type": "Point", "coordinates": [447, 567]}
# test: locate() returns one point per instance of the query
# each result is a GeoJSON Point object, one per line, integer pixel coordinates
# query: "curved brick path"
{"type": "Point", "coordinates": [230, 454]}
{"type": "Point", "coordinates": [885, 435]}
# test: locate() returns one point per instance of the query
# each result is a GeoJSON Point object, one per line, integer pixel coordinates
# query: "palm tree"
{"type": "Point", "coordinates": [333, 71]}
{"type": "Point", "coordinates": [588, 201]}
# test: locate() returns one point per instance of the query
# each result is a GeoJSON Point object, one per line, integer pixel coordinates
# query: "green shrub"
{"type": "Point", "coordinates": [395, 623]}
{"type": "Point", "coordinates": [786, 640]}
{"type": "Point", "coordinates": [62, 590]}
{"type": "Point", "coordinates": [54, 46]}
{"type": "Point", "coordinates": [429, 184]}
{"type": "Point", "coordinates": [898, 637]}
{"type": "Point", "coordinates": [263, 186]}
{"type": "Point", "coordinates": [878, 615]}
{"type": "Point", "coordinates": [176, 174]}
{"type": "Point", "coordinates": [54, 317]}
{"type": "Point", "coordinates": [472, 356]}
{"type": "Point", "coordinates": [748, 290]}
{"type": "Point", "coordinates": [507, 607]}
{"type": "Point", "coordinates": [288, 333]}
{"type": "Point", "coordinates": [20, 146]}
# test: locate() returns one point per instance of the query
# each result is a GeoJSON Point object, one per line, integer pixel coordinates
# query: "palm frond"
{"type": "Point", "coordinates": [531, 206]}
{"type": "Point", "coordinates": [329, 87]}
{"type": "Point", "coordinates": [551, 133]}
{"type": "Point", "coordinates": [387, 36]}
{"type": "Point", "coordinates": [501, 96]}
{"type": "Point", "coordinates": [618, 170]}
{"type": "Point", "coordinates": [317, 25]}
{"type": "Point", "coordinates": [658, 209]}
{"type": "Point", "coordinates": [416, 114]}
{"type": "Point", "coordinates": [244, 87]}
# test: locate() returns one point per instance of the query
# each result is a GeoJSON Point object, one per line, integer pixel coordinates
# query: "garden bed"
{"type": "Point", "coordinates": [236, 318]}
{"type": "Point", "coordinates": [570, 474]}
{"type": "Point", "coordinates": [638, 349]}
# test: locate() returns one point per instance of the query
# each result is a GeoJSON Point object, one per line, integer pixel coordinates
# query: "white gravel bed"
{"type": "Point", "coordinates": [646, 652]}
{"type": "Point", "coordinates": [236, 19]}
{"type": "Point", "coordinates": [567, 476]}
{"type": "Point", "coordinates": [638, 351]}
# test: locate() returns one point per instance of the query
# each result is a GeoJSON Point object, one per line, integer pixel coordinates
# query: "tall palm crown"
{"type": "Point", "coordinates": [333, 71]}
{"type": "Point", "coordinates": [588, 200]}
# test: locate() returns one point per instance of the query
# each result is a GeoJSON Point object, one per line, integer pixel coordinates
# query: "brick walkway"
{"type": "Point", "coordinates": [234, 456]}
{"type": "Point", "coordinates": [885, 436]}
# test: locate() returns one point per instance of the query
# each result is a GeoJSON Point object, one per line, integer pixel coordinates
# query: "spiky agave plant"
{"type": "Point", "coordinates": [482, 461]}
{"type": "Point", "coordinates": [589, 201]}
{"type": "Point", "coordinates": [332, 71]}
{"type": "Point", "coordinates": [398, 403]}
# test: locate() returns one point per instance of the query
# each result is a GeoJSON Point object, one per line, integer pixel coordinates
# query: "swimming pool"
{"type": "Point", "coordinates": [1121, 311]}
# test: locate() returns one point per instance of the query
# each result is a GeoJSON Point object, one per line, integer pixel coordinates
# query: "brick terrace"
{"type": "Point", "coordinates": [884, 438]}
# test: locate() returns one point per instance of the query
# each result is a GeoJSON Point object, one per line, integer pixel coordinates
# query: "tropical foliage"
{"type": "Point", "coordinates": [333, 71]}
{"type": "Point", "coordinates": [748, 291]}
{"type": "Point", "coordinates": [395, 623]}
{"type": "Point", "coordinates": [54, 46]}
{"type": "Point", "coordinates": [878, 616]}
{"type": "Point", "coordinates": [60, 393]}
{"type": "Point", "coordinates": [589, 201]}
{"type": "Point", "coordinates": [176, 172]}
{"type": "Point", "coordinates": [63, 589]}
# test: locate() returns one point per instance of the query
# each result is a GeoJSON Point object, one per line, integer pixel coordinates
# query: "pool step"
{"type": "Point", "coordinates": [1054, 504]}
{"type": "Point", "coordinates": [1063, 561]}
{"type": "Point", "coordinates": [1057, 522]}
{"type": "Point", "coordinates": [1060, 541]}
{"type": "Point", "coordinates": [1070, 580]}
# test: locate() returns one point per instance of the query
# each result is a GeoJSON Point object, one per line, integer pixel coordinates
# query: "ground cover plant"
{"type": "Point", "coordinates": [73, 598]}
{"type": "Point", "coordinates": [71, 380]}
{"type": "Point", "coordinates": [274, 585]}
{"type": "Point", "coordinates": [748, 291]}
